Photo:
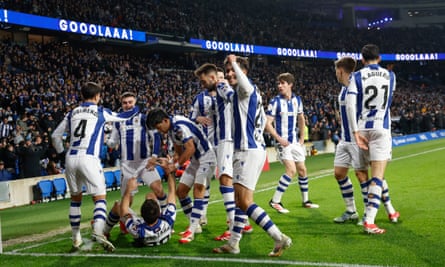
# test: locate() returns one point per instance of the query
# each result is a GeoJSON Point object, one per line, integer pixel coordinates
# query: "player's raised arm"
{"type": "Point", "coordinates": [132, 185]}
{"type": "Point", "coordinates": [117, 117]}
{"type": "Point", "coordinates": [245, 87]}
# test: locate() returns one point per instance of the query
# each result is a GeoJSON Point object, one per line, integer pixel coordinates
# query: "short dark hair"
{"type": "Point", "coordinates": [219, 69]}
{"type": "Point", "coordinates": [128, 94]}
{"type": "Point", "coordinates": [205, 68]}
{"type": "Point", "coordinates": [155, 116]}
{"type": "Point", "coordinates": [370, 52]}
{"type": "Point", "coordinates": [90, 90]}
{"type": "Point", "coordinates": [150, 211]}
{"type": "Point", "coordinates": [286, 77]}
{"type": "Point", "coordinates": [348, 64]}
{"type": "Point", "coordinates": [242, 61]}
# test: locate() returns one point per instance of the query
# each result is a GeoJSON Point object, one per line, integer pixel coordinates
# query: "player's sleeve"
{"type": "Point", "coordinates": [351, 104]}
{"type": "Point", "coordinates": [117, 117]}
{"type": "Point", "coordinates": [194, 109]}
{"type": "Point", "coordinates": [300, 105]}
{"type": "Point", "coordinates": [225, 91]}
{"type": "Point", "coordinates": [272, 107]}
{"type": "Point", "coordinates": [169, 214]}
{"type": "Point", "coordinates": [156, 149]}
{"type": "Point", "coordinates": [392, 80]}
{"type": "Point", "coordinates": [57, 135]}
{"type": "Point", "coordinates": [245, 86]}
{"type": "Point", "coordinates": [186, 133]}
{"type": "Point", "coordinates": [114, 136]}
{"type": "Point", "coordinates": [131, 225]}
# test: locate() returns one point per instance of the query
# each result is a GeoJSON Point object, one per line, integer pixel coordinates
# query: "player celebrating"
{"type": "Point", "coordinates": [213, 79]}
{"type": "Point", "coordinates": [138, 146]}
{"type": "Point", "coordinates": [249, 120]}
{"type": "Point", "coordinates": [284, 111]}
{"type": "Point", "coordinates": [347, 151]}
{"type": "Point", "coordinates": [154, 227]}
{"type": "Point", "coordinates": [85, 125]}
{"type": "Point", "coordinates": [347, 154]}
{"type": "Point", "coordinates": [191, 144]}
{"type": "Point", "coordinates": [367, 105]}
{"type": "Point", "coordinates": [202, 112]}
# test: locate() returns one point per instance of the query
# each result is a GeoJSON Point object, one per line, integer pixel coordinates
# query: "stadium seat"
{"type": "Point", "coordinates": [46, 189]}
{"type": "Point", "coordinates": [117, 177]}
{"type": "Point", "coordinates": [109, 180]}
{"type": "Point", "coordinates": [60, 187]}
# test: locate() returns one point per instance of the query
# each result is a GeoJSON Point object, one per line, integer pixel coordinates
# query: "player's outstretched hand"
{"type": "Point", "coordinates": [132, 185]}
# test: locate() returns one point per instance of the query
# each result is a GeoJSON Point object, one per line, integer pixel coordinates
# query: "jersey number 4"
{"type": "Point", "coordinates": [79, 132]}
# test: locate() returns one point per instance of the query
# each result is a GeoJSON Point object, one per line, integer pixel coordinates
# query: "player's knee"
{"type": "Point", "coordinates": [291, 170]}
{"type": "Point", "coordinates": [199, 190]}
{"type": "Point", "coordinates": [181, 192]}
{"type": "Point", "coordinates": [339, 175]}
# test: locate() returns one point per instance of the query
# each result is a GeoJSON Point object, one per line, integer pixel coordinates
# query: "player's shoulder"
{"type": "Point", "coordinates": [275, 99]}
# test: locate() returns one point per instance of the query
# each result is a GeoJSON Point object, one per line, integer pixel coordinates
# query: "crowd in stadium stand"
{"type": "Point", "coordinates": [39, 83]}
{"type": "Point", "coordinates": [250, 21]}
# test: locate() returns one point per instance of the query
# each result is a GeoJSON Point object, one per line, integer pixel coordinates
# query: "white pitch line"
{"type": "Point", "coordinates": [199, 259]}
{"type": "Point", "coordinates": [39, 244]}
{"type": "Point", "coordinates": [324, 173]}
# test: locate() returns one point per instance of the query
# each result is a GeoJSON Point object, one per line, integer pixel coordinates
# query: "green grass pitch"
{"type": "Point", "coordinates": [416, 178]}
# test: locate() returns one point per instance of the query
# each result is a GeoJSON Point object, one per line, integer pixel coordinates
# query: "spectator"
{"type": "Point", "coordinates": [52, 168]}
{"type": "Point", "coordinates": [4, 174]}
{"type": "Point", "coordinates": [9, 157]}
{"type": "Point", "coordinates": [5, 128]}
{"type": "Point", "coordinates": [30, 155]}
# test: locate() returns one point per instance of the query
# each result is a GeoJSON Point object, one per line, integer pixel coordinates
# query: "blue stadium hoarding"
{"type": "Point", "coordinates": [64, 25]}
{"type": "Point", "coordinates": [306, 53]}
{"type": "Point", "coordinates": [416, 138]}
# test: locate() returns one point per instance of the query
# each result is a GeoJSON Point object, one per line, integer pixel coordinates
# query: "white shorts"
{"type": "Point", "coordinates": [137, 169]}
{"type": "Point", "coordinates": [295, 152]}
{"type": "Point", "coordinates": [379, 145]}
{"type": "Point", "coordinates": [200, 171]}
{"type": "Point", "coordinates": [224, 158]}
{"type": "Point", "coordinates": [85, 170]}
{"type": "Point", "coordinates": [247, 167]}
{"type": "Point", "coordinates": [348, 154]}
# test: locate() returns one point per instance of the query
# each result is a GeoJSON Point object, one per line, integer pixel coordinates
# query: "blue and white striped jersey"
{"type": "Point", "coordinates": [224, 112]}
{"type": "Point", "coordinates": [85, 125]}
{"type": "Point", "coordinates": [156, 234]}
{"type": "Point", "coordinates": [183, 129]}
{"type": "Point", "coordinates": [248, 114]}
{"type": "Point", "coordinates": [374, 87]}
{"type": "Point", "coordinates": [136, 142]}
{"type": "Point", "coordinates": [346, 133]}
{"type": "Point", "coordinates": [285, 113]}
{"type": "Point", "coordinates": [204, 105]}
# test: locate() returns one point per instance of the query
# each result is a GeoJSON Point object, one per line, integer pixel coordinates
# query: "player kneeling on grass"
{"type": "Point", "coordinates": [153, 228]}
